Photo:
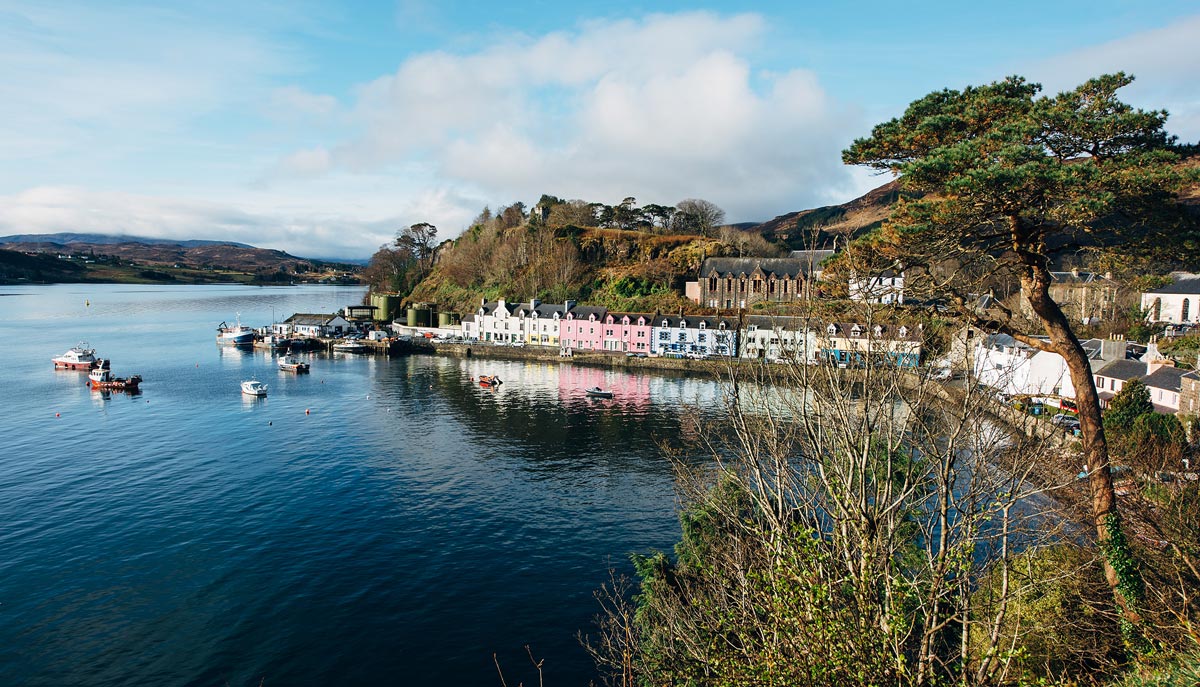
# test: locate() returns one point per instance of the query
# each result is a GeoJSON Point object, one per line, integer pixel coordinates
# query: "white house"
{"type": "Point", "coordinates": [884, 288]}
{"type": "Point", "coordinates": [690, 336]}
{"type": "Point", "coordinates": [1175, 303]}
{"type": "Point", "coordinates": [494, 322]}
{"type": "Point", "coordinates": [1017, 369]}
{"type": "Point", "coordinates": [779, 339]}
{"type": "Point", "coordinates": [313, 325]}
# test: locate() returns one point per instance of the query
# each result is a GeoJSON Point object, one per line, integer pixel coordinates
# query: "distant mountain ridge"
{"type": "Point", "coordinates": [204, 258]}
{"type": "Point", "coordinates": [65, 238]}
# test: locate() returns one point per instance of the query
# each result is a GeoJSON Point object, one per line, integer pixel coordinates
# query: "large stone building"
{"type": "Point", "coordinates": [1085, 297]}
{"type": "Point", "coordinates": [730, 283]}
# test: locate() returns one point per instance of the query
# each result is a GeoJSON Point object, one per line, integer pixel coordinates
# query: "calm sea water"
{"type": "Point", "coordinates": [407, 527]}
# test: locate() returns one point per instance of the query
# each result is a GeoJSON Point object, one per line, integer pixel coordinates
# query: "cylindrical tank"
{"type": "Point", "coordinates": [420, 317]}
{"type": "Point", "coordinates": [387, 306]}
{"type": "Point", "coordinates": [447, 319]}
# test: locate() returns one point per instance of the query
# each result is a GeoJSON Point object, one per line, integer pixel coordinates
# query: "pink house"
{"type": "Point", "coordinates": [582, 329]}
{"type": "Point", "coordinates": [627, 332]}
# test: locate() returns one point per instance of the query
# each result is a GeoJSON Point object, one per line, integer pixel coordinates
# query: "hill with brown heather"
{"type": "Point", "coordinates": [822, 227]}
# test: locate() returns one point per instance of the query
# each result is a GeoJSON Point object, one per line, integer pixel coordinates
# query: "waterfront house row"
{"type": "Point", "coordinates": [571, 327]}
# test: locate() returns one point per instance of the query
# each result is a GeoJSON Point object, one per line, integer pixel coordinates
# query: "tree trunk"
{"type": "Point", "coordinates": [1036, 283]}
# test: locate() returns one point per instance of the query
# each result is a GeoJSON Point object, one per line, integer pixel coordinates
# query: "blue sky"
{"type": "Point", "coordinates": [321, 129]}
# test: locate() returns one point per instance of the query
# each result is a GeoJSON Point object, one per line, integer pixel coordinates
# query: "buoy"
{"type": "Point", "coordinates": [270, 423]}
{"type": "Point", "coordinates": [306, 411]}
{"type": "Point", "coordinates": [58, 415]}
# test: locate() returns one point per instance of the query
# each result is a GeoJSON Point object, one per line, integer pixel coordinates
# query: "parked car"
{"type": "Point", "coordinates": [1068, 422]}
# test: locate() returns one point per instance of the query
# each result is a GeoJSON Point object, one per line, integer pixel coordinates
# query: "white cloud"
{"type": "Point", "coordinates": [663, 108]}
{"type": "Point", "coordinates": [1165, 61]}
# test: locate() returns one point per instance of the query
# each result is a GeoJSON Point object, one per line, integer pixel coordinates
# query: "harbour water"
{"type": "Point", "coordinates": [378, 521]}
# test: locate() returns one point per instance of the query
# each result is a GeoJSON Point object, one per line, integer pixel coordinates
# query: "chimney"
{"type": "Point", "coordinates": [534, 303]}
{"type": "Point", "coordinates": [1075, 272]}
{"type": "Point", "coordinates": [1154, 359]}
{"type": "Point", "coordinates": [1113, 348]}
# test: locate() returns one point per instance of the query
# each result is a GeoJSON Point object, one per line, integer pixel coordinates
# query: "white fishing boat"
{"type": "Point", "coordinates": [350, 347]}
{"type": "Point", "coordinates": [597, 392]}
{"type": "Point", "coordinates": [82, 357]}
{"type": "Point", "coordinates": [237, 335]}
{"type": "Point", "coordinates": [253, 387]}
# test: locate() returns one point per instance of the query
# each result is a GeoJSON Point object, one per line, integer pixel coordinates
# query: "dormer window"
{"type": "Point", "coordinates": [903, 332]}
{"type": "Point", "coordinates": [666, 324]}
{"type": "Point", "coordinates": [831, 330]}
{"type": "Point", "coordinates": [720, 325]}
{"type": "Point", "coordinates": [856, 331]}
{"type": "Point", "coordinates": [702, 324]}
{"type": "Point", "coordinates": [878, 330]}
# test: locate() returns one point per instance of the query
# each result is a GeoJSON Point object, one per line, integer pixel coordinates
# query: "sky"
{"type": "Point", "coordinates": [322, 128]}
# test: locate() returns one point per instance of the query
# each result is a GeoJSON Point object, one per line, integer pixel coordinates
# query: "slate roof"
{"type": "Point", "coordinates": [693, 321]}
{"type": "Point", "coordinates": [780, 267]}
{"type": "Point", "coordinates": [1185, 283]}
{"type": "Point", "coordinates": [1169, 378]}
{"type": "Point", "coordinates": [1123, 370]}
{"type": "Point", "coordinates": [309, 319]}
{"type": "Point", "coordinates": [547, 310]}
{"type": "Point", "coordinates": [816, 257]}
{"type": "Point", "coordinates": [582, 312]}
{"type": "Point", "coordinates": [887, 331]}
{"type": "Point", "coordinates": [633, 317]}
{"type": "Point", "coordinates": [779, 322]}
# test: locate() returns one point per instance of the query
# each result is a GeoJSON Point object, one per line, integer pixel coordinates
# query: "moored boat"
{"type": "Point", "coordinates": [489, 381]}
{"type": "Point", "coordinates": [350, 347]}
{"type": "Point", "coordinates": [597, 392]}
{"type": "Point", "coordinates": [290, 364]}
{"type": "Point", "coordinates": [253, 387]}
{"type": "Point", "coordinates": [237, 335]}
{"type": "Point", "coordinates": [81, 357]}
{"type": "Point", "coordinates": [102, 378]}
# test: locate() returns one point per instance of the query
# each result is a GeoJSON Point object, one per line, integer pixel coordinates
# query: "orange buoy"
{"type": "Point", "coordinates": [306, 411]}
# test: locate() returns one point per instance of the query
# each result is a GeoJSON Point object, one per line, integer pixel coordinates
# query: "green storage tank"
{"type": "Point", "coordinates": [387, 306]}
{"type": "Point", "coordinates": [420, 317]}
{"type": "Point", "coordinates": [447, 319]}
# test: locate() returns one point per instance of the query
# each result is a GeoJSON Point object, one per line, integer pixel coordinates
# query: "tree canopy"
{"type": "Point", "coordinates": [1002, 181]}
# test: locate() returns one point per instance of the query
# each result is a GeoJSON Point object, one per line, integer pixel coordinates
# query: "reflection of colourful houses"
{"type": "Point", "coordinates": [582, 329]}
{"type": "Point", "coordinates": [677, 337]}
{"type": "Point", "coordinates": [850, 344]}
{"type": "Point", "coordinates": [627, 332]}
{"type": "Point", "coordinates": [628, 390]}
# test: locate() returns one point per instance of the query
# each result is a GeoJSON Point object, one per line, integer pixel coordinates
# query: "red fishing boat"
{"type": "Point", "coordinates": [102, 378]}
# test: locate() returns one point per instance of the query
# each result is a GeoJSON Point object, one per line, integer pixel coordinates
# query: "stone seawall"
{"type": "Point", "coordinates": [596, 359]}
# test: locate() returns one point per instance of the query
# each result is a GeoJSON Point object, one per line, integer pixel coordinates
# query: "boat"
{"type": "Point", "coordinates": [489, 381]}
{"type": "Point", "coordinates": [350, 347]}
{"type": "Point", "coordinates": [253, 387]}
{"type": "Point", "coordinates": [101, 377]}
{"type": "Point", "coordinates": [79, 358]}
{"type": "Point", "coordinates": [237, 335]}
{"type": "Point", "coordinates": [597, 392]}
{"type": "Point", "coordinates": [290, 364]}
{"type": "Point", "coordinates": [273, 342]}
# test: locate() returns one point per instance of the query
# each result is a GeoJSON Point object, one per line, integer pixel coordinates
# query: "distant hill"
{"type": "Point", "coordinates": [65, 238]}
{"type": "Point", "coordinates": [155, 260]}
{"type": "Point", "coordinates": [822, 227]}
{"type": "Point", "coordinates": [17, 267]}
